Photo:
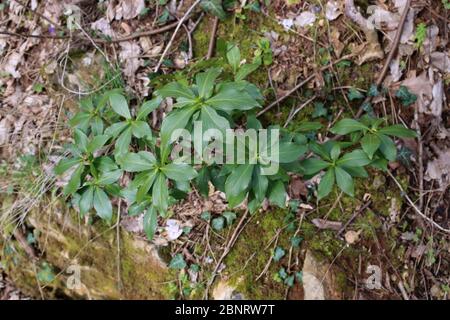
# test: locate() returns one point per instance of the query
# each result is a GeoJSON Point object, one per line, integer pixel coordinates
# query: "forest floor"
{"type": "Point", "coordinates": [321, 61]}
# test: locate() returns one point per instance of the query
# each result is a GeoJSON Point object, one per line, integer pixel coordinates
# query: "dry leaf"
{"type": "Point", "coordinates": [333, 10]}
{"type": "Point", "coordinates": [326, 224]}
{"type": "Point", "coordinates": [352, 237]}
{"type": "Point", "coordinates": [306, 18]}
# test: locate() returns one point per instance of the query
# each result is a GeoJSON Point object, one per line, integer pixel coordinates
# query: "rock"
{"type": "Point", "coordinates": [319, 280]}
{"type": "Point", "coordinates": [224, 291]}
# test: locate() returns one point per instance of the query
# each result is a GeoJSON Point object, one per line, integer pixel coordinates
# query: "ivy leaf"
{"type": "Point", "coordinates": [278, 254]}
{"type": "Point", "coordinates": [277, 195]}
{"type": "Point", "coordinates": [370, 144]}
{"type": "Point", "coordinates": [150, 222]}
{"type": "Point", "coordinates": [229, 217]}
{"type": "Point", "coordinates": [326, 184]}
{"type": "Point", "coordinates": [205, 81]}
{"type": "Point", "coordinates": [177, 262]}
{"type": "Point", "coordinates": [319, 110]}
{"type": "Point", "coordinates": [295, 241]}
{"type": "Point", "coordinates": [406, 97]}
{"type": "Point", "coordinates": [120, 105]}
{"type": "Point", "coordinates": [102, 204]}
{"type": "Point", "coordinates": [354, 94]}
{"type": "Point", "coordinates": [344, 181]}
{"type": "Point", "coordinates": [218, 223]}
{"type": "Point", "coordinates": [346, 126]}
{"type": "Point", "coordinates": [214, 7]}
{"type": "Point", "coordinates": [398, 130]}
{"type": "Point", "coordinates": [179, 171]}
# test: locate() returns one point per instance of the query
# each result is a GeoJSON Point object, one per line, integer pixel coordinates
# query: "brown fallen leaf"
{"type": "Point", "coordinates": [352, 237]}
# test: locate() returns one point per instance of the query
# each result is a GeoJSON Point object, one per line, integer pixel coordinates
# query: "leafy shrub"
{"type": "Point", "coordinates": [218, 99]}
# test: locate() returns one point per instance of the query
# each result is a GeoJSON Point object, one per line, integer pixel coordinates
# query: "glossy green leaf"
{"type": "Point", "coordinates": [326, 184]}
{"type": "Point", "coordinates": [356, 158]}
{"type": "Point", "coordinates": [97, 142]}
{"type": "Point", "coordinates": [370, 144]}
{"type": "Point", "coordinates": [278, 194]}
{"type": "Point", "coordinates": [160, 193]}
{"type": "Point", "coordinates": [233, 56]}
{"type": "Point", "coordinates": [148, 107]}
{"type": "Point", "coordinates": [314, 165]}
{"type": "Point", "coordinates": [346, 126]}
{"type": "Point", "coordinates": [137, 162]}
{"type": "Point", "coordinates": [245, 70]}
{"type": "Point", "coordinates": [387, 147]}
{"type": "Point", "coordinates": [123, 142]}
{"type": "Point", "coordinates": [176, 90]}
{"type": "Point", "coordinates": [205, 81]}
{"type": "Point", "coordinates": [65, 164]}
{"type": "Point", "coordinates": [231, 99]}
{"type": "Point", "coordinates": [150, 222]}
{"type": "Point", "coordinates": [344, 181]}
{"type": "Point", "coordinates": [398, 130]}
{"type": "Point", "coordinates": [87, 200]}
{"type": "Point", "coordinates": [141, 129]}
{"type": "Point", "coordinates": [81, 140]}
{"type": "Point", "coordinates": [102, 204]}
{"type": "Point", "coordinates": [120, 105]}
{"type": "Point", "coordinates": [212, 120]}
{"type": "Point", "coordinates": [179, 171]}
{"type": "Point", "coordinates": [75, 181]}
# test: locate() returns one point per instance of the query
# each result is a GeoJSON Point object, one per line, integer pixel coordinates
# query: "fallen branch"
{"type": "Point", "coordinates": [212, 40]}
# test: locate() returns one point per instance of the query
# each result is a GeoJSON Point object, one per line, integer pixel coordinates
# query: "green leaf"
{"type": "Point", "coordinates": [344, 181]}
{"type": "Point", "coordinates": [115, 129]}
{"type": "Point", "coordinates": [149, 178]}
{"type": "Point", "coordinates": [137, 162]}
{"type": "Point", "coordinates": [354, 94]}
{"type": "Point", "coordinates": [229, 99]}
{"type": "Point", "coordinates": [357, 172]}
{"type": "Point", "coordinates": [406, 97]}
{"type": "Point", "coordinates": [202, 181]}
{"type": "Point", "coordinates": [346, 126]}
{"type": "Point", "coordinates": [356, 158]}
{"type": "Point", "coordinates": [75, 181]}
{"type": "Point", "coordinates": [160, 193]}
{"type": "Point", "coordinates": [218, 223]}
{"type": "Point", "coordinates": [398, 130]}
{"type": "Point", "coordinates": [123, 142]}
{"type": "Point", "coordinates": [141, 129]}
{"type": "Point", "coordinates": [387, 147]}
{"type": "Point", "coordinates": [278, 194]}
{"type": "Point", "coordinates": [177, 119]}
{"type": "Point", "coordinates": [295, 241]}
{"type": "Point", "coordinates": [239, 180]}
{"type": "Point", "coordinates": [80, 119]}
{"type": "Point", "coordinates": [109, 177]}
{"type": "Point", "coordinates": [179, 171]}
{"type": "Point", "coordinates": [229, 217]}
{"type": "Point", "coordinates": [102, 204]}
{"type": "Point", "coordinates": [105, 164]}
{"type": "Point", "coordinates": [260, 184]}
{"type": "Point", "coordinates": [278, 254]}
{"type": "Point", "coordinates": [176, 90]}
{"type": "Point", "coordinates": [97, 125]}
{"type": "Point", "coordinates": [148, 107]}
{"type": "Point", "coordinates": [314, 165]}
{"type": "Point", "coordinates": [309, 126]}
{"type": "Point", "coordinates": [177, 262]}
{"type": "Point", "coordinates": [65, 164]}
{"type": "Point", "coordinates": [288, 152]}
{"type": "Point", "coordinates": [212, 120]}
{"type": "Point", "coordinates": [233, 56]}
{"type": "Point", "coordinates": [205, 81]}
{"type": "Point", "coordinates": [150, 222]}
{"type": "Point", "coordinates": [326, 184]}
{"type": "Point", "coordinates": [97, 142]}
{"type": "Point", "coordinates": [81, 140]}
{"type": "Point", "coordinates": [370, 144]}
{"type": "Point", "coordinates": [245, 70]}
{"type": "Point", "coordinates": [120, 105]}
{"type": "Point", "coordinates": [87, 200]}
{"type": "Point", "coordinates": [335, 151]}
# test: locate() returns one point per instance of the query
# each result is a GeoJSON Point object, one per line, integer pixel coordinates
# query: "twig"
{"type": "Point", "coordinates": [212, 40]}
{"type": "Point", "coordinates": [267, 266]}
{"type": "Point", "coordinates": [293, 114]}
{"type": "Point", "coordinates": [411, 203]}
{"type": "Point", "coordinates": [354, 215]}
{"type": "Point", "coordinates": [56, 25]}
{"type": "Point", "coordinates": [119, 278]}
{"type": "Point", "coordinates": [230, 244]}
{"type": "Point", "coordinates": [24, 244]}
{"type": "Point", "coordinates": [179, 23]}
{"type": "Point", "coordinates": [389, 58]}
{"type": "Point", "coordinates": [301, 84]}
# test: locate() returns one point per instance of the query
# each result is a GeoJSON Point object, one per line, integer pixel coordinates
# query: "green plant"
{"type": "Point", "coordinates": [421, 34]}
{"type": "Point", "coordinates": [221, 99]}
